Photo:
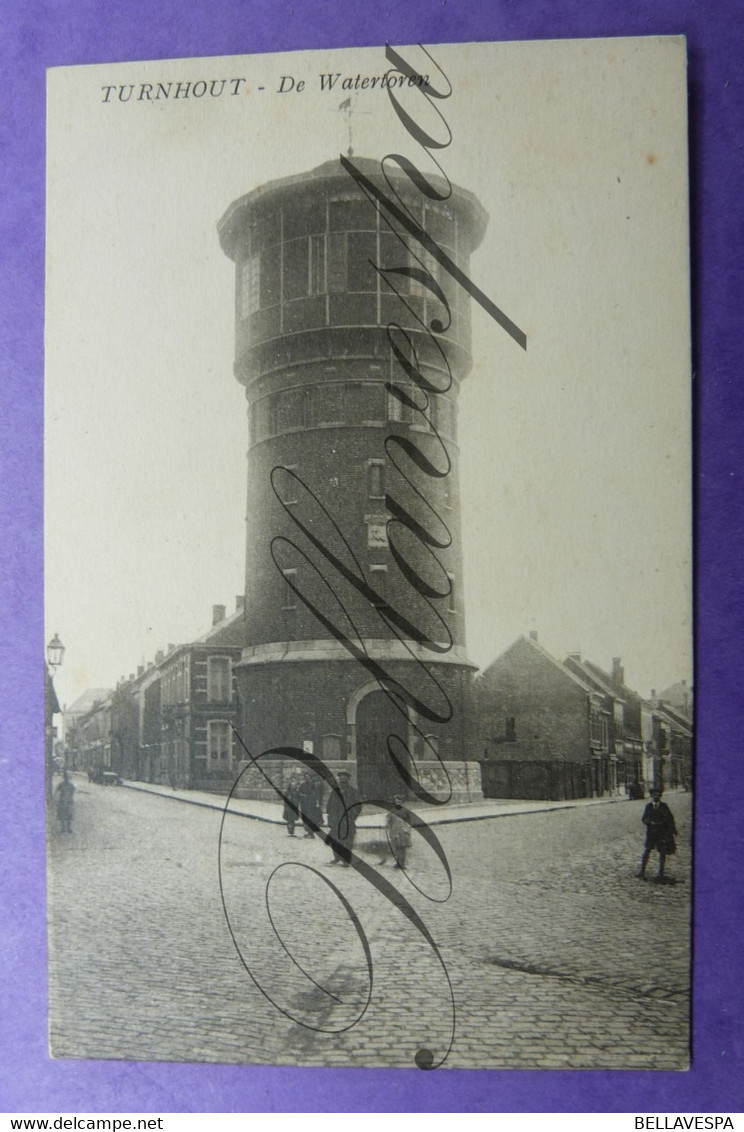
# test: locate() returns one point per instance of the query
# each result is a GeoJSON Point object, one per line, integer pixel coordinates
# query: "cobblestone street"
{"type": "Point", "coordinates": [558, 957]}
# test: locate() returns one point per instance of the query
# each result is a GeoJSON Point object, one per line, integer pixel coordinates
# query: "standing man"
{"type": "Point", "coordinates": [343, 810]}
{"type": "Point", "coordinates": [65, 796]}
{"type": "Point", "coordinates": [398, 833]}
{"type": "Point", "coordinates": [660, 833]}
{"type": "Point", "coordinates": [309, 796]}
{"type": "Point", "coordinates": [292, 803]}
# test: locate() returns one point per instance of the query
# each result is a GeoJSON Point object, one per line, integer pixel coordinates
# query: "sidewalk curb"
{"type": "Point", "coordinates": [368, 822]}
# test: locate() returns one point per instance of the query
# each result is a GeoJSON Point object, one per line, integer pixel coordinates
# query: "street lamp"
{"type": "Point", "coordinates": [54, 654]}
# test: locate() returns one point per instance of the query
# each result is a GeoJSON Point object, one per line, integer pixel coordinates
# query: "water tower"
{"type": "Point", "coordinates": [335, 423]}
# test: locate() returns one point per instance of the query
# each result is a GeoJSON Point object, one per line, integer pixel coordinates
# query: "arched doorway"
{"type": "Point", "coordinates": [377, 717]}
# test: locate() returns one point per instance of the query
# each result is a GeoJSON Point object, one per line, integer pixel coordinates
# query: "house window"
{"type": "Point", "coordinates": [250, 285]}
{"type": "Point", "coordinates": [218, 679]}
{"type": "Point", "coordinates": [183, 680]}
{"type": "Point", "coordinates": [376, 479]}
{"type": "Point", "coordinates": [290, 597]}
{"type": "Point", "coordinates": [219, 743]}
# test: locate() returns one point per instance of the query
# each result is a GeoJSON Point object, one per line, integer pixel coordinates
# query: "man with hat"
{"type": "Point", "coordinates": [660, 833]}
{"type": "Point", "coordinates": [344, 808]}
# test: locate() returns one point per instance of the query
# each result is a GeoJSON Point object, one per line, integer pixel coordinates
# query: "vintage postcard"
{"type": "Point", "coordinates": [368, 523]}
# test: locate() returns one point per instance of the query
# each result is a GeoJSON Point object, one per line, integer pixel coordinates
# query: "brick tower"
{"type": "Point", "coordinates": [354, 560]}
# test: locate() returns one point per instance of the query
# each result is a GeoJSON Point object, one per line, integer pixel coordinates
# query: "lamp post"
{"type": "Point", "coordinates": [55, 652]}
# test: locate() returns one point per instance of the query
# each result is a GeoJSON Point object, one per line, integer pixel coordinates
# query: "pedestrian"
{"type": "Point", "coordinates": [343, 810]}
{"type": "Point", "coordinates": [398, 834]}
{"type": "Point", "coordinates": [310, 802]}
{"type": "Point", "coordinates": [660, 833]}
{"type": "Point", "coordinates": [65, 795]}
{"type": "Point", "coordinates": [291, 803]}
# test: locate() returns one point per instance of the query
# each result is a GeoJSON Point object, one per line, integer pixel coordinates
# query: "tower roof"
{"type": "Point", "coordinates": [330, 175]}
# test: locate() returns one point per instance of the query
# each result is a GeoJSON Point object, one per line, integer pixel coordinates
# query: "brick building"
{"type": "Point", "coordinates": [198, 705]}
{"type": "Point", "coordinates": [171, 723]}
{"type": "Point", "coordinates": [628, 709]}
{"type": "Point", "coordinates": [354, 617]}
{"type": "Point", "coordinates": [543, 731]}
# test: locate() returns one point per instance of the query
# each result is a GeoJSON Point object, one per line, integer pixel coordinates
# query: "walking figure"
{"type": "Point", "coordinates": [343, 809]}
{"type": "Point", "coordinates": [660, 833]}
{"type": "Point", "coordinates": [65, 795]}
{"type": "Point", "coordinates": [398, 834]}
{"type": "Point", "coordinates": [310, 799]}
{"type": "Point", "coordinates": [292, 796]}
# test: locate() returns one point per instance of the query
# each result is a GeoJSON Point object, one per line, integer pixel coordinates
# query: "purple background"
{"type": "Point", "coordinates": [39, 34]}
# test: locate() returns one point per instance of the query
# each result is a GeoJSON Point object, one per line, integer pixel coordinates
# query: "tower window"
{"type": "Point", "coordinates": [290, 597]}
{"type": "Point", "coordinates": [376, 479]}
{"type": "Point", "coordinates": [399, 411]}
{"type": "Point", "coordinates": [362, 255]}
{"type": "Point", "coordinates": [296, 269]}
{"type": "Point", "coordinates": [431, 746]}
{"type": "Point", "coordinates": [424, 262]}
{"type": "Point", "coordinates": [352, 216]}
{"type": "Point", "coordinates": [250, 285]}
{"type": "Point", "coordinates": [330, 746]}
{"type": "Point", "coordinates": [328, 403]}
{"type": "Point", "coordinates": [378, 581]}
{"type": "Point", "coordinates": [286, 484]}
{"type": "Point", "coordinates": [337, 261]}
{"type": "Point", "coordinates": [317, 265]}
{"type": "Point", "coordinates": [451, 603]}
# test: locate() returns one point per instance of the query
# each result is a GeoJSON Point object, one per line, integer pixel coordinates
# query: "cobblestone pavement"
{"type": "Point", "coordinates": [556, 955]}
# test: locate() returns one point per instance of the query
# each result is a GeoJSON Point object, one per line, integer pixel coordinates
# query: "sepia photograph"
{"type": "Point", "coordinates": [368, 522]}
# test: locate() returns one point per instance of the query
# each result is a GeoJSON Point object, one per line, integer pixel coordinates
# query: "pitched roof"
{"type": "Point", "coordinates": [225, 628]}
{"type": "Point", "coordinates": [677, 719]}
{"type": "Point", "coordinates": [598, 676]}
{"type": "Point", "coordinates": [85, 702]}
{"type": "Point", "coordinates": [543, 652]}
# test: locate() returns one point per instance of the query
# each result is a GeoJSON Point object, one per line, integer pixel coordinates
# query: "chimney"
{"type": "Point", "coordinates": [575, 656]}
{"type": "Point", "coordinates": [140, 669]}
{"type": "Point", "coordinates": [618, 672]}
{"type": "Point", "coordinates": [653, 693]}
{"type": "Point", "coordinates": [533, 634]}
{"type": "Point", "coordinates": [171, 648]}
{"type": "Point", "coordinates": [159, 656]}
{"type": "Point", "coordinates": [239, 601]}
{"type": "Point", "coordinates": [218, 614]}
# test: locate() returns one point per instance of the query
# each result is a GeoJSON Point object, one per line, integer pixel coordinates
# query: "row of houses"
{"type": "Point", "coordinates": [172, 721]}
{"type": "Point", "coordinates": [569, 729]}
{"type": "Point", "coordinates": [539, 727]}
